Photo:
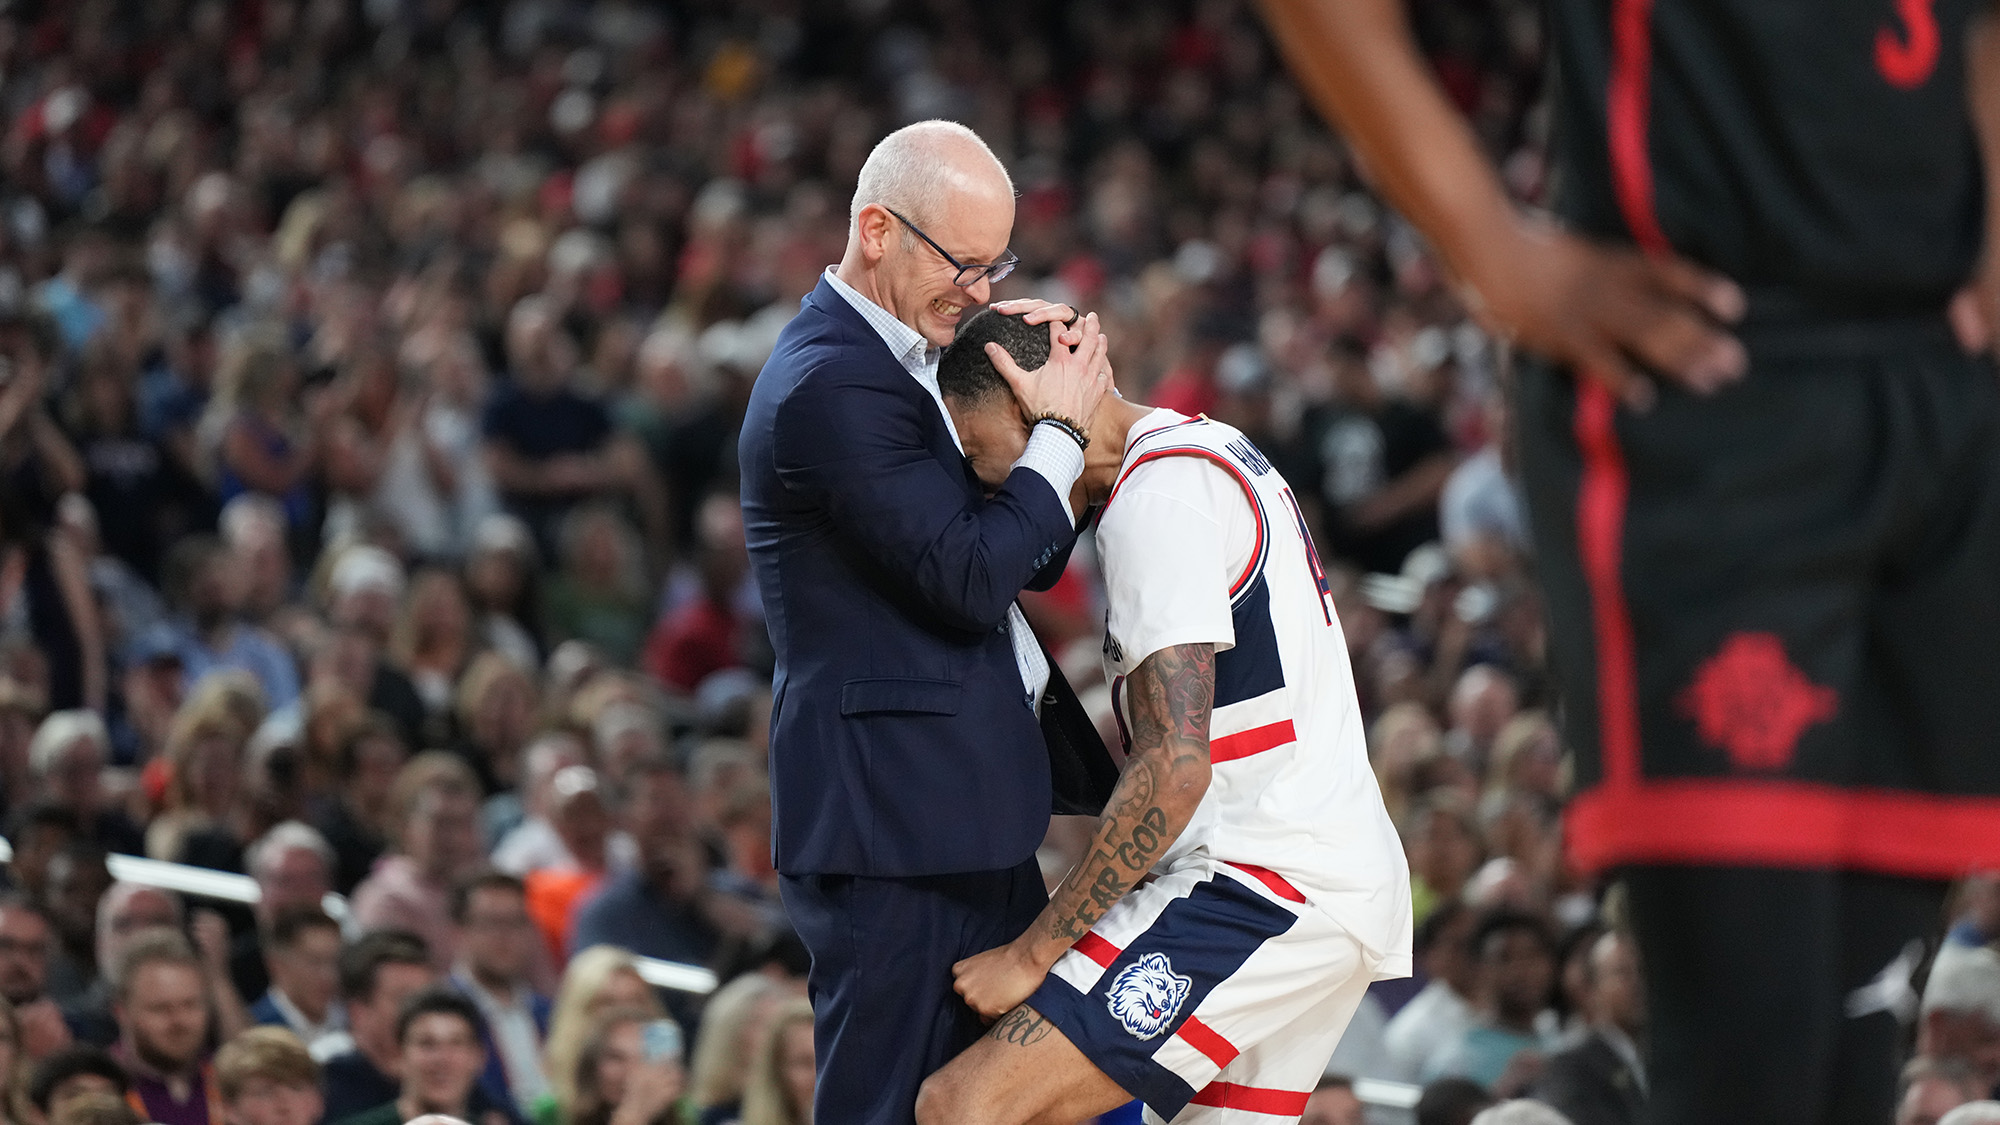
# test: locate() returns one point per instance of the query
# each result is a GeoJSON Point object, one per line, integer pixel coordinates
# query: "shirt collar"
{"type": "Point", "coordinates": [298, 1020]}
{"type": "Point", "coordinates": [906, 343]}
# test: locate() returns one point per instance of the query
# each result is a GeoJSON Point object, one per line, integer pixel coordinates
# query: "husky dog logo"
{"type": "Point", "coordinates": [1146, 996]}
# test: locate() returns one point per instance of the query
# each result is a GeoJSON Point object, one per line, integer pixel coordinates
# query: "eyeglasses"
{"type": "Point", "coordinates": [968, 274]}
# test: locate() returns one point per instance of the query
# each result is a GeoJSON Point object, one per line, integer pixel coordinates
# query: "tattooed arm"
{"type": "Point", "coordinates": [1170, 695]}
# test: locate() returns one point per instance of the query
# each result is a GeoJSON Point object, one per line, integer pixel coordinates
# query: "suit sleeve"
{"type": "Point", "coordinates": [856, 450]}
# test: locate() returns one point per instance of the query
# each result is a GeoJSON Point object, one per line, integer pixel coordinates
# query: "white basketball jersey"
{"type": "Point", "coordinates": [1201, 541]}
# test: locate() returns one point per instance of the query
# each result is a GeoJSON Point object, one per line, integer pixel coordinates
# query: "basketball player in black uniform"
{"type": "Point", "coordinates": [1761, 447]}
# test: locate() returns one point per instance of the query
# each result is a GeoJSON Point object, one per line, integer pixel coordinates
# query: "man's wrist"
{"type": "Point", "coordinates": [1066, 425]}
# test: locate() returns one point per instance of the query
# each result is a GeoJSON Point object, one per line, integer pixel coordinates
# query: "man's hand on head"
{"type": "Point", "coordinates": [1033, 310]}
{"type": "Point", "coordinates": [1070, 384]}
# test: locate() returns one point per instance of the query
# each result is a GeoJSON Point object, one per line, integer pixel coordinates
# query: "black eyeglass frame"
{"type": "Point", "coordinates": [995, 272]}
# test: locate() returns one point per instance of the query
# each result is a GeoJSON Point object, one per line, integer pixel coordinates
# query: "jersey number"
{"type": "Point", "coordinates": [1312, 558]}
{"type": "Point", "coordinates": [1906, 56]}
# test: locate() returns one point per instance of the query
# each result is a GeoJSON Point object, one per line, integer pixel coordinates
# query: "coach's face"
{"type": "Point", "coordinates": [994, 436]}
{"type": "Point", "coordinates": [917, 284]}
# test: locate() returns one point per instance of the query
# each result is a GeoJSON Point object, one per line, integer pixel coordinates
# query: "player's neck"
{"type": "Point", "coordinates": [1109, 431]}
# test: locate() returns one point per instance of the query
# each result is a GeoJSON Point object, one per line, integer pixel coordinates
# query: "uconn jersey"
{"type": "Point", "coordinates": [1224, 984]}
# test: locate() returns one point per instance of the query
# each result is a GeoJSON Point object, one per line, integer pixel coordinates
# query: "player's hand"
{"type": "Point", "coordinates": [1033, 310]}
{"type": "Point", "coordinates": [1611, 313]}
{"type": "Point", "coordinates": [995, 982]}
{"type": "Point", "coordinates": [1070, 384]}
{"type": "Point", "coordinates": [1975, 311]}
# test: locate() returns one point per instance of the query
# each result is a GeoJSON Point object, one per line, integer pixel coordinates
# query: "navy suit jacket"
{"type": "Point", "coordinates": [902, 741]}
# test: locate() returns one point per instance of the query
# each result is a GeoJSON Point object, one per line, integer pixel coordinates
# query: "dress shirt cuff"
{"type": "Point", "coordinates": [1055, 456]}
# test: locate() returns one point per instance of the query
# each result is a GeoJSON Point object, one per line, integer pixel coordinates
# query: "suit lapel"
{"type": "Point", "coordinates": [937, 437]}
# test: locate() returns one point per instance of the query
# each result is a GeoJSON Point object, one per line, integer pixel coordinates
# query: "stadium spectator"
{"type": "Point", "coordinates": [1333, 1102]}
{"type": "Point", "coordinates": [78, 876]}
{"type": "Point", "coordinates": [38, 832]}
{"type": "Point", "coordinates": [432, 645]}
{"type": "Point", "coordinates": [780, 1087]}
{"type": "Point", "coordinates": [733, 1023]}
{"type": "Point", "coordinates": [497, 950]}
{"type": "Point", "coordinates": [253, 528]}
{"type": "Point", "coordinates": [97, 1109]}
{"type": "Point", "coordinates": [660, 909]}
{"type": "Point", "coordinates": [293, 866]}
{"type": "Point", "coordinates": [301, 950]}
{"type": "Point", "coordinates": [502, 578]}
{"type": "Point", "coordinates": [496, 725]}
{"type": "Point", "coordinates": [619, 1083]}
{"type": "Point", "coordinates": [436, 804]}
{"type": "Point", "coordinates": [358, 817]}
{"type": "Point", "coordinates": [378, 973]}
{"type": "Point", "coordinates": [536, 843]}
{"type": "Point", "coordinates": [439, 1057]}
{"type": "Point", "coordinates": [547, 446]}
{"type": "Point", "coordinates": [598, 980]}
{"type": "Point", "coordinates": [1502, 1049]}
{"type": "Point", "coordinates": [1452, 1101]}
{"type": "Point", "coordinates": [1443, 1010]}
{"type": "Point", "coordinates": [26, 940]}
{"type": "Point", "coordinates": [265, 1076]}
{"type": "Point", "coordinates": [1601, 1079]}
{"type": "Point", "coordinates": [47, 604]}
{"type": "Point", "coordinates": [71, 1071]}
{"type": "Point", "coordinates": [126, 913]}
{"type": "Point", "coordinates": [707, 631]}
{"type": "Point", "coordinates": [205, 589]}
{"type": "Point", "coordinates": [162, 1007]}
{"type": "Point", "coordinates": [67, 760]}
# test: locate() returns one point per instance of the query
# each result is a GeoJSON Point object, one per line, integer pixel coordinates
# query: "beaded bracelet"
{"type": "Point", "coordinates": [1066, 426]}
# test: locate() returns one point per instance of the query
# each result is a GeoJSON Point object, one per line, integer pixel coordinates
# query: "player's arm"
{"type": "Point", "coordinates": [1171, 694]}
{"type": "Point", "coordinates": [1976, 312]}
{"type": "Point", "coordinates": [1608, 311]}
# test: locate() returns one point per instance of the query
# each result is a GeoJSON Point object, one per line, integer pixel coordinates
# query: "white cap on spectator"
{"type": "Point", "coordinates": [59, 731]}
{"type": "Point", "coordinates": [365, 567]}
{"type": "Point", "coordinates": [1964, 980]}
{"type": "Point", "coordinates": [286, 836]}
{"type": "Point", "coordinates": [1973, 1113]}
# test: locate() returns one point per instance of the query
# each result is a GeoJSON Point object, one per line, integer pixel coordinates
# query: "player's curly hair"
{"type": "Point", "coordinates": [964, 372]}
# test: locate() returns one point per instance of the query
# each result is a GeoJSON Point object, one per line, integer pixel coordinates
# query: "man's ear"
{"type": "Point", "coordinates": [874, 223]}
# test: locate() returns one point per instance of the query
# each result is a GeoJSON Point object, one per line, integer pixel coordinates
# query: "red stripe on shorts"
{"type": "Point", "coordinates": [1273, 880]}
{"type": "Point", "coordinates": [1256, 740]}
{"type": "Point", "coordinates": [1203, 1038]}
{"type": "Point", "coordinates": [1097, 949]}
{"type": "Point", "coordinates": [1252, 1099]}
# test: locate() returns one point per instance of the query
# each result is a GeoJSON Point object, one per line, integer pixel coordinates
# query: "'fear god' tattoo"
{"type": "Point", "coordinates": [1171, 693]}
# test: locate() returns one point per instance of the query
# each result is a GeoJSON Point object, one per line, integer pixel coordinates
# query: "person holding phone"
{"type": "Point", "coordinates": [632, 1072]}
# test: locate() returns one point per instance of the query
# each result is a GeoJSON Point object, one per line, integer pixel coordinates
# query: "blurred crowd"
{"type": "Point", "coordinates": [370, 376]}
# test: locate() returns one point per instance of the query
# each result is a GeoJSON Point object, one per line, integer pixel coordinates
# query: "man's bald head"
{"type": "Point", "coordinates": [915, 170]}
